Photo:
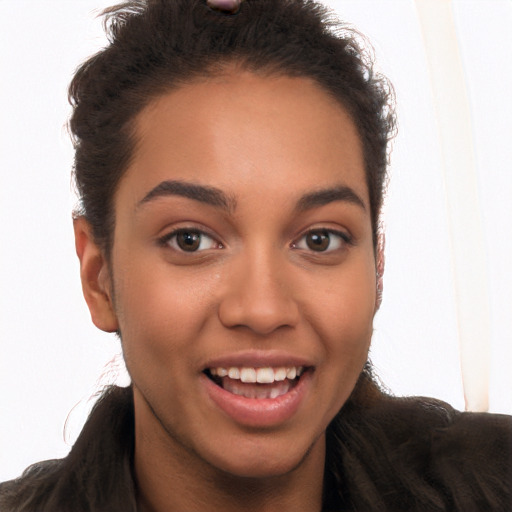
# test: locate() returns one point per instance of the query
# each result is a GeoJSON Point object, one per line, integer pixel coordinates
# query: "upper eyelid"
{"type": "Point", "coordinates": [169, 235]}
{"type": "Point", "coordinates": [338, 232]}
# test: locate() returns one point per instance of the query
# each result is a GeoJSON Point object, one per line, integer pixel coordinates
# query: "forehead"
{"type": "Point", "coordinates": [265, 133]}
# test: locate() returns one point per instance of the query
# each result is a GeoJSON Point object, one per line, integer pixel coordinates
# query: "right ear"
{"type": "Point", "coordinates": [95, 277]}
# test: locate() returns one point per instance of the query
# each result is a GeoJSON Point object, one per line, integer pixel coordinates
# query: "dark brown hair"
{"type": "Point", "coordinates": [158, 45]}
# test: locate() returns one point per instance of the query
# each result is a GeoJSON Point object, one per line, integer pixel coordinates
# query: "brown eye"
{"type": "Point", "coordinates": [318, 240]}
{"type": "Point", "coordinates": [323, 240]}
{"type": "Point", "coordinates": [188, 240]}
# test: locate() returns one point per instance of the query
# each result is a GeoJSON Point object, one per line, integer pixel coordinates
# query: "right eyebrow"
{"type": "Point", "coordinates": [202, 193]}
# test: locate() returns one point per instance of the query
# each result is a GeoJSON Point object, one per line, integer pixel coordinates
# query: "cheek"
{"type": "Point", "coordinates": [346, 307]}
{"type": "Point", "coordinates": [347, 314]}
{"type": "Point", "coordinates": [344, 321]}
{"type": "Point", "coordinates": [160, 312]}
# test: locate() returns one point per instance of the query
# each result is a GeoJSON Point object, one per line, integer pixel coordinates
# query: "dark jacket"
{"type": "Point", "coordinates": [383, 454]}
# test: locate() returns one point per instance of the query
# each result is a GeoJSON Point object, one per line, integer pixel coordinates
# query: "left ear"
{"type": "Point", "coordinates": [95, 276]}
{"type": "Point", "coordinates": [379, 264]}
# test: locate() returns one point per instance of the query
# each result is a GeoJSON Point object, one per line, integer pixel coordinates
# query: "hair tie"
{"type": "Point", "coordinates": [227, 6]}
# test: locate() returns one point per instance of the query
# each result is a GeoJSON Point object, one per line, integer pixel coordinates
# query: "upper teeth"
{"type": "Point", "coordinates": [265, 375]}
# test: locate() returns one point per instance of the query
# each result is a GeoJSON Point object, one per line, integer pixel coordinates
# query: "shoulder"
{"type": "Point", "coordinates": [465, 458]}
{"type": "Point", "coordinates": [97, 473]}
{"type": "Point", "coordinates": [475, 439]}
{"type": "Point", "coordinates": [449, 434]}
{"type": "Point", "coordinates": [37, 480]}
{"type": "Point", "coordinates": [420, 454]}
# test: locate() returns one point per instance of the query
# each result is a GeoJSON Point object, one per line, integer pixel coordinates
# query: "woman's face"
{"type": "Point", "coordinates": [243, 245]}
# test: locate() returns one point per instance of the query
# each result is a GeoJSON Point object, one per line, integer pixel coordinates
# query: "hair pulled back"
{"type": "Point", "coordinates": [158, 45]}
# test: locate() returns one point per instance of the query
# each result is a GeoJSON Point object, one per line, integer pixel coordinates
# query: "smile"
{"type": "Point", "coordinates": [260, 389]}
{"type": "Point", "coordinates": [256, 383]}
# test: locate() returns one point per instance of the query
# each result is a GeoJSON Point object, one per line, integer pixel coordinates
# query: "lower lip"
{"type": "Point", "coordinates": [258, 412]}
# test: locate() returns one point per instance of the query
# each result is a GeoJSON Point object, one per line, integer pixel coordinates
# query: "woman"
{"type": "Point", "coordinates": [231, 165]}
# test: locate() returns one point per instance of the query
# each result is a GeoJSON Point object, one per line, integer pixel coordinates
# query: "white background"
{"type": "Point", "coordinates": [52, 359]}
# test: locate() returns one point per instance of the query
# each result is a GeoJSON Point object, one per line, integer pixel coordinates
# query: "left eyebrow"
{"type": "Point", "coordinates": [329, 195]}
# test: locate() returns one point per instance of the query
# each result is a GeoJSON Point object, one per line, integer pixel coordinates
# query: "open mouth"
{"type": "Point", "coordinates": [258, 383]}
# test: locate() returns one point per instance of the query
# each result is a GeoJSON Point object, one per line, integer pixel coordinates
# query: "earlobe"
{"type": "Point", "coordinates": [95, 277]}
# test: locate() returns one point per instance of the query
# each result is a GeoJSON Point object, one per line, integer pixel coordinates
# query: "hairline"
{"type": "Point", "coordinates": [224, 66]}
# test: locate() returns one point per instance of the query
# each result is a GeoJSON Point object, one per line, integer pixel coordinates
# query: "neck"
{"type": "Point", "coordinates": [171, 477]}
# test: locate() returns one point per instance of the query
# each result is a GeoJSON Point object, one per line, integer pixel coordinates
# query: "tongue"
{"type": "Point", "coordinates": [247, 390]}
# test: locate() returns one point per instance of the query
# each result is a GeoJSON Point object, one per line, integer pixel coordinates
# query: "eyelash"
{"type": "Point", "coordinates": [167, 239]}
{"type": "Point", "coordinates": [343, 239]}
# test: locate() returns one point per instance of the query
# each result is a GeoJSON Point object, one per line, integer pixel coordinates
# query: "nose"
{"type": "Point", "coordinates": [259, 295]}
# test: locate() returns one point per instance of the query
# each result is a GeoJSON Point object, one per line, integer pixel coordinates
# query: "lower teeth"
{"type": "Point", "coordinates": [259, 391]}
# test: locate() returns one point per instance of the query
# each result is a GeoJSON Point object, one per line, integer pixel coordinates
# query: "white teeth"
{"type": "Point", "coordinates": [237, 388]}
{"type": "Point", "coordinates": [265, 375]}
{"type": "Point", "coordinates": [234, 373]}
{"type": "Point", "coordinates": [248, 375]}
{"type": "Point", "coordinates": [291, 373]}
{"type": "Point", "coordinates": [279, 374]}
{"type": "Point", "coordinates": [275, 392]}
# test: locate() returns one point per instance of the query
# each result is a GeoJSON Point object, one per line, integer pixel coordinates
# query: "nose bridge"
{"type": "Point", "coordinates": [259, 295]}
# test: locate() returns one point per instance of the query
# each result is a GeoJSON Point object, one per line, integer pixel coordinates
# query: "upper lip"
{"type": "Point", "coordinates": [258, 359]}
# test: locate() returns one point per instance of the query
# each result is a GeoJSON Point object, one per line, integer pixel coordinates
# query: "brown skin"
{"type": "Point", "coordinates": [254, 284]}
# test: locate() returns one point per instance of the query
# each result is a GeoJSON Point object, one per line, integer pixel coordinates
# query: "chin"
{"type": "Point", "coordinates": [261, 470]}
{"type": "Point", "coordinates": [258, 461]}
